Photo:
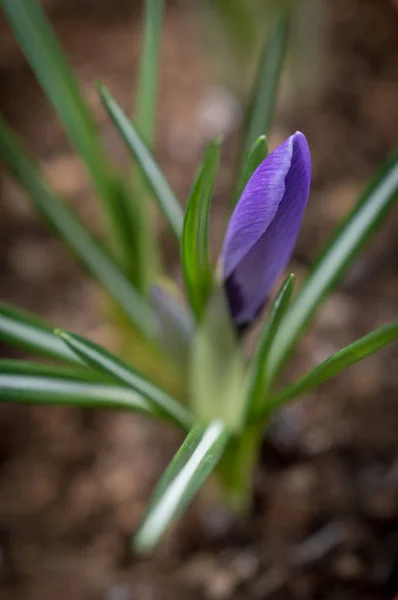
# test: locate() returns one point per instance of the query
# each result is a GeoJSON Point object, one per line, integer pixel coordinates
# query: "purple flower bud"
{"type": "Point", "coordinates": [264, 226]}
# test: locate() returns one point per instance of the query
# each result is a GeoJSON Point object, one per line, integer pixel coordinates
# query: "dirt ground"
{"type": "Point", "coordinates": [73, 484]}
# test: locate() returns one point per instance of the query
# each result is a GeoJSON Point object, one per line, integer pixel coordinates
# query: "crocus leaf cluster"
{"type": "Point", "coordinates": [220, 398]}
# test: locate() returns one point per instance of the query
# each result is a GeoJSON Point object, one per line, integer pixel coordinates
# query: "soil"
{"type": "Point", "coordinates": [73, 484]}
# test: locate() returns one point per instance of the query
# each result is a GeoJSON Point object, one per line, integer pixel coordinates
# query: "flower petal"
{"type": "Point", "coordinates": [263, 229]}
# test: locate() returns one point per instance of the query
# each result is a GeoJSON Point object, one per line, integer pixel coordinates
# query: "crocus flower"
{"type": "Point", "coordinates": [264, 226]}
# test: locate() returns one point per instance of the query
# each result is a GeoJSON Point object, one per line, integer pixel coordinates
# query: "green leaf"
{"type": "Point", "coordinates": [374, 204]}
{"type": "Point", "coordinates": [19, 328]}
{"type": "Point", "coordinates": [176, 324]}
{"type": "Point", "coordinates": [265, 90]}
{"type": "Point", "coordinates": [194, 246]}
{"type": "Point", "coordinates": [97, 357]}
{"type": "Point", "coordinates": [148, 76]}
{"type": "Point", "coordinates": [157, 182]}
{"type": "Point", "coordinates": [238, 19]}
{"type": "Point", "coordinates": [257, 383]}
{"type": "Point", "coordinates": [25, 384]}
{"type": "Point", "coordinates": [190, 467]}
{"type": "Point", "coordinates": [355, 352]}
{"type": "Point", "coordinates": [262, 103]}
{"type": "Point", "coordinates": [255, 157]}
{"type": "Point", "coordinates": [77, 373]}
{"type": "Point", "coordinates": [143, 259]}
{"type": "Point", "coordinates": [52, 70]}
{"type": "Point", "coordinates": [217, 367]}
{"type": "Point", "coordinates": [74, 233]}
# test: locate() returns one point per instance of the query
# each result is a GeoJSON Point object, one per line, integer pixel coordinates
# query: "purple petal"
{"type": "Point", "coordinates": [264, 226]}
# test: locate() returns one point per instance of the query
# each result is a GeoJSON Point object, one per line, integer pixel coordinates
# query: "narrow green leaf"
{"type": "Point", "coordinates": [262, 103]}
{"type": "Point", "coordinates": [157, 182]}
{"type": "Point", "coordinates": [238, 19]}
{"type": "Point", "coordinates": [257, 383]}
{"type": "Point", "coordinates": [176, 324]}
{"type": "Point", "coordinates": [373, 205]}
{"type": "Point", "coordinates": [265, 91]}
{"type": "Point", "coordinates": [355, 352]}
{"type": "Point", "coordinates": [19, 328]}
{"type": "Point", "coordinates": [25, 367]}
{"type": "Point", "coordinates": [190, 467]}
{"type": "Point", "coordinates": [52, 70]}
{"type": "Point", "coordinates": [255, 157]}
{"type": "Point", "coordinates": [74, 233]}
{"type": "Point", "coordinates": [30, 387]}
{"type": "Point", "coordinates": [217, 368]}
{"type": "Point", "coordinates": [148, 77]}
{"type": "Point", "coordinates": [129, 256]}
{"type": "Point", "coordinates": [143, 259]}
{"type": "Point", "coordinates": [194, 246]}
{"type": "Point", "coordinates": [97, 357]}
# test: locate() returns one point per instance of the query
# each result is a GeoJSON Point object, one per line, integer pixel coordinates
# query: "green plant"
{"type": "Point", "coordinates": [222, 403]}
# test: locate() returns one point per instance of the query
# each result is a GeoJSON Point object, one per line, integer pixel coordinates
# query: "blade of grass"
{"type": "Point", "coordinates": [19, 328]}
{"type": "Point", "coordinates": [255, 157]}
{"type": "Point", "coordinates": [194, 245]}
{"type": "Point", "coordinates": [74, 234]}
{"type": "Point", "coordinates": [154, 177]}
{"type": "Point", "coordinates": [372, 207]}
{"type": "Point", "coordinates": [190, 467]}
{"type": "Point", "coordinates": [355, 352]}
{"type": "Point", "coordinates": [29, 386]}
{"type": "Point", "coordinates": [98, 358]}
{"type": "Point", "coordinates": [45, 56]}
{"type": "Point", "coordinates": [257, 383]}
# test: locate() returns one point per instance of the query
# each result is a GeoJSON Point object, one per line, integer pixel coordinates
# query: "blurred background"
{"type": "Point", "coordinates": [73, 484]}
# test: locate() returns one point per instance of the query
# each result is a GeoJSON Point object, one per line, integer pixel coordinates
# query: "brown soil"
{"type": "Point", "coordinates": [73, 484]}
